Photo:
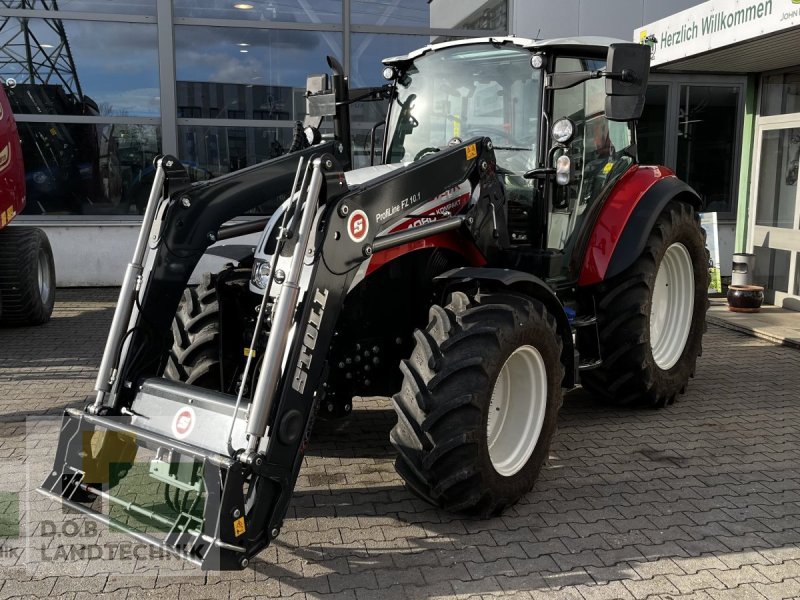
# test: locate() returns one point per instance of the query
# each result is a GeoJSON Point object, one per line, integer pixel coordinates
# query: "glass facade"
{"type": "Point", "coordinates": [100, 88]}
{"type": "Point", "coordinates": [777, 178]}
{"type": "Point", "coordinates": [692, 124]}
{"type": "Point", "coordinates": [707, 144]}
{"type": "Point", "coordinates": [780, 93]}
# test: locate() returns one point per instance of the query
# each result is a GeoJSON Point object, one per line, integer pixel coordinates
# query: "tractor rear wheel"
{"type": "Point", "coordinates": [195, 354]}
{"type": "Point", "coordinates": [27, 276]}
{"type": "Point", "coordinates": [479, 401]}
{"type": "Point", "coordinates": [651, 317]}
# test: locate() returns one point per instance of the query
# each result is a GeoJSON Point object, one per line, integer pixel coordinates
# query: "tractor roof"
{"type": "Point", "coordinates": [585, 45]}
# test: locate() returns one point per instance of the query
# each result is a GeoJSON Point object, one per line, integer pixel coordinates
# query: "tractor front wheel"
{"type": "Point", "coordinates": [479, 401]}
{"type": "Point", "coordinates": [195, 354]}
{"type": "Point", "coordinates": [651, 317]}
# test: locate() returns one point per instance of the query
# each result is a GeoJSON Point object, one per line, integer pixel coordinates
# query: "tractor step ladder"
{"type": "Point", "coordinates": [584, 327]}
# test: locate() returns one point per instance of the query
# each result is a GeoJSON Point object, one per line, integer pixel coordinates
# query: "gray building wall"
{"type": "Point", "coordinates": [612, 18]}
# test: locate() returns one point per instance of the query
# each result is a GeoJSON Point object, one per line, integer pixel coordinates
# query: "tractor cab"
{"type": "Point", "coordinates": [546, 106]}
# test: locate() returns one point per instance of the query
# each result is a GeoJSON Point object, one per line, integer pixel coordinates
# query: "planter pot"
{"type": "Point", "coordinates": [745, 298]}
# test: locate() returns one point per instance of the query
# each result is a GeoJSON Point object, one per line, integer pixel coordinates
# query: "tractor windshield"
{"type": "Point", "coordinates": [462, 92]}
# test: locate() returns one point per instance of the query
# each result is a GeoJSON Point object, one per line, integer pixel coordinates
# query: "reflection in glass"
{"type": "Point", "coordinates": [780, 94]}
{"type": "Point", "coordinates": [651, 128]}
{"type": "Point", "coordinates": [88, 169]}
{"type": "Point", "coordinates": [257, 57]}
{"type": "Point", "coordinates": [202, 100]}
{"type": "Point", "coordinates": [367, 50]}
{"type": "Point", "coordinates": [483, 15]}
{"type": "Point", "coordinates": [284, 11]}
{"type": "Point", "coordinates": [772, 268]}
{"type": "Point", "coordinates": [123, 7]}
{"type": "Point", "coordinates": [777, 178]}
{"type": "Point", "coordinates": [80, 67]}
{"type": "Point", "coordinates": [707, 142]}
{"type": "Point", "coordinates": [213, 151]}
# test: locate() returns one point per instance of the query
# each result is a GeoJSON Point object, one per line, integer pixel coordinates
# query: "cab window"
{"type": "Point", "coordinates": [599, 152]}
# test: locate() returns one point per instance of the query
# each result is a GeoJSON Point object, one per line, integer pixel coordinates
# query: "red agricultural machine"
{"type": "Point", "coordinates": [27, 273]}
{"type": "Point", "coordinates": [507, 248]}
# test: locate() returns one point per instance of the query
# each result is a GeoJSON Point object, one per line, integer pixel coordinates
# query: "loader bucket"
{"type": "Point", "coordinates": [130, 474]}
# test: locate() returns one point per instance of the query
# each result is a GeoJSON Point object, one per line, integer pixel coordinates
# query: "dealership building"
{"type": "Point", "coordinates": [219, 83]}
{"type": "Point", "coordinates": [727, 80]}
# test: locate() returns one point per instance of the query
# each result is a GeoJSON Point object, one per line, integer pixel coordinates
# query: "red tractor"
{"type": "Point", "coordinates": [508, 248]}
{"type": "Point", "coordinates": [27, 273]}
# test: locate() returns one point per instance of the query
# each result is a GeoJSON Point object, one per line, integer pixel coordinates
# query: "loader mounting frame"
{"type": "Point", "coordinates": [249, 478]}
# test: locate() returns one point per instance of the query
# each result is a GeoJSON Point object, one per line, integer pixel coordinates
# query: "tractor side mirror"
{"type": "Point", "coordinates": [627, 71]}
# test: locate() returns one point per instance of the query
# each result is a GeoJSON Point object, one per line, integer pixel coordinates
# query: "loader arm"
{"type": "Point", "coordinates": [193, 216]}
{"type": "Point", "coordinates": [246, 483]}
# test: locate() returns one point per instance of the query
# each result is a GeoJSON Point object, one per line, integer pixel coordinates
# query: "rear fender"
{"type": "Point", "coordinates": [522, 283]}
{"type": "Point", "coordinates": [627, 218]}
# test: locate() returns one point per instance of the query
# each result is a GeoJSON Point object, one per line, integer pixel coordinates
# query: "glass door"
{"type": "Point", "coordinates": [775, 213]}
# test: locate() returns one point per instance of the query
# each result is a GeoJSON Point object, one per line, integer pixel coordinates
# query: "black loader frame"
{"type": "Point", "coordinates": [246, 486]}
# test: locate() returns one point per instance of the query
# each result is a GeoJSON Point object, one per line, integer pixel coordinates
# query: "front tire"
{"type": "Point", "coordinates": [27, 276]}
{"type": "Point", "coordinates": [195, 354]}
{"type": "Point", "coordinates": [479, 402]}
{"type": "Point", "coordinates": [651, 317]}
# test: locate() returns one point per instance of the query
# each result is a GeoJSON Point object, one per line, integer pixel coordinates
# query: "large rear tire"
{"type": "Point", "coordinates": [479, 401]}
{"type": "Point", "coordinates": [195, 354]}
{"type": "Point", "coordinates": [651, 317]}
{"type": "Point", "coordinates": [27, 276]}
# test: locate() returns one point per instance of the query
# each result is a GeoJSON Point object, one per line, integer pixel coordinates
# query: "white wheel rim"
{"type": "Point", "coordinates": [43, 277]}
{"type": "Point", "coordinates": [517, 410]}
{"type": "Point", "coordinates": [672, 306]}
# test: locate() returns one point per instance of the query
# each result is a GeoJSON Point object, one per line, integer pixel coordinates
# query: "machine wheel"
{"type": "Point", "coordinates": [479, 401]}
{"type": "Point", "coordinates": [651, 317]}
{"type": "Point", "coordinates": [194, 357]}
{"type": "Point", "coordinates": [27, 276]}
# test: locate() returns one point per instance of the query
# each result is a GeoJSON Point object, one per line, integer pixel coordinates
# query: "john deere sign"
{"type": "Point", "coordinates": [716, 24]}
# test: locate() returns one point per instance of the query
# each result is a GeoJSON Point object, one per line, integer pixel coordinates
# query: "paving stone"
{"type": "Point", "coordinates": [646, 587]}
{"type": "Point", "coordinates": [702, 580]}
{"type": "Point", "coordinates": [699, 500]}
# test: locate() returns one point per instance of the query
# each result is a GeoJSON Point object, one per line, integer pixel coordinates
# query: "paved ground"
{"type": "Point", "coordinates": [701, 500]}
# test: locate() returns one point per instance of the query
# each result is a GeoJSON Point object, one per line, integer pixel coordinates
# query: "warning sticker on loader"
{"type": "Point", "coordinates": [472, 151]}
{"type": "Point", "coordinates": [238, 527]}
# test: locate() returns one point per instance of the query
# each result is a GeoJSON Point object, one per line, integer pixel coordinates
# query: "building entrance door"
{"type": "Point", "coordinates": [774, 227]}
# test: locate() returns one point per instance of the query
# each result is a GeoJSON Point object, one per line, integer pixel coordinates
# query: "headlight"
{"type": "Point", "coordinates": [562, 131]}
{"type": "Point", "coordinates": [261, 270]}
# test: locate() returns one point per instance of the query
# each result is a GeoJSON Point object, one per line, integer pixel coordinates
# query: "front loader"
{"type": "Point", "coordinates": [507, 248]}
